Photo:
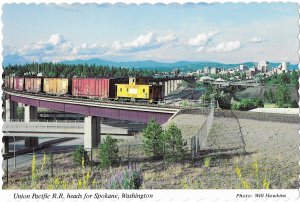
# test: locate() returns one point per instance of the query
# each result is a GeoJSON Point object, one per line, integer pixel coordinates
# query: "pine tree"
{"type": "Point", "coordinates": [153, 140]}
{"type": "Point", "coordinates": [175, 147]}
{"type": "Point", "coordinates": [109, 152]}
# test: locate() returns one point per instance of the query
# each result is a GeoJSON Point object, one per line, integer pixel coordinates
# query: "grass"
{"type": "Point", "coordinates": [269, 105]}
{"type": "Point", "coordinates": [203, 173]}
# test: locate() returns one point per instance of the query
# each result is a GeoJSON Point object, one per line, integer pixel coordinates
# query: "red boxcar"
{"type": "Point", "coordinates": [33, 85]}
{"type": "Point", "coordinates": [95, 87]}
{"type": "Point", "coordinates": [19, 83]}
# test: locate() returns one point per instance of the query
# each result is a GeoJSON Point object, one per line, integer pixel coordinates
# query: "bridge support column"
{"type": "Point", "coordinates": [5, 148]}
{"type": "Point", "coordinates": [30, 113]}
{"type": "Point", "coordinates": [10, 110]}
{"type": "Point", "coordinates": [166, 88]}
{"type": "Point", "coordinates": [92, 132]}
{"type": "Point", "coordinates": [174, 85]}
{"type": "Point", "coordinates": [169, 87]}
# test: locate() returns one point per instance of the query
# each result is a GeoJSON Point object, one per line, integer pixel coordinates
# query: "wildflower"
{"type": "Point", "coordinates": [56, 182]}
{"type": "Point", "coordinates": [266, 183]}
{"type": "Point", "coordinates": [64, 184]}
{"type": "Point", "coordinates": [33, 168]}
{"type": "Point", "coordinates": [93, 183]}
{"type": "Point", "coordinates": [245, 184]}
{"type": "Point", "coordinates": [44, 160]}
{"type": "Point", "coordinates": [238, 172]}
{"type": "Point", "coordinates": [79, 184]}
{"type": "Point", "coordinates": [82, 162]}
{"type": "Point", "coordinates": [255, 167]}
{"type": "Point", "coordinates": [88, 176]}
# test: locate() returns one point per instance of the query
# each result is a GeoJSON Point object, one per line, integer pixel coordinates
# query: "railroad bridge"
{"type": "Point", "coordinates": [91, 109]}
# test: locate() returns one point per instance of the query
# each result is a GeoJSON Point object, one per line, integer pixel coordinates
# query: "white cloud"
{"type": "Point", "coordinates": [56, 48]}
{"type": "Point", "coordinates": [144, 42]}
{"type": "Point", "coordinates": [226, 47]}
{"type": "Point", "coordinates": [202, 39]}
{"type": "Point", "coordinates": [55, 39]}
{"type": "Point", "coordinates": [257, 40]}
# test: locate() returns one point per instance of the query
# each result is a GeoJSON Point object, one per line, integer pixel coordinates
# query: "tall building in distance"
{"type": "Point", "coordinates": [263, 66]}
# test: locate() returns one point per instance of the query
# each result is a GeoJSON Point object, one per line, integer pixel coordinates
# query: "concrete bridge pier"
{"type": "Point", "coordinates": [5, 148]}
{"type": "Point", "coordinates": [10, 110]}
{"type": "Point", "coordinates": [169, 87]}
{"type": "Point", "coordinates": [166, 88]}
{"type": "Point", "coordinates": [30, 113]}
{"type": "Point", "coordinates": [174, 85]}
{"type": "Point", "coordinates": [92, 132]}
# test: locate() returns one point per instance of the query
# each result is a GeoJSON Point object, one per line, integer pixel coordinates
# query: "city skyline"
{"type": "Point", "coordinates": [227, 33]}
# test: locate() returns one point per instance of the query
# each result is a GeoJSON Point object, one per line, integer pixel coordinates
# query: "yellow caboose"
{"type": "Point", "coordinates": [140, 89]}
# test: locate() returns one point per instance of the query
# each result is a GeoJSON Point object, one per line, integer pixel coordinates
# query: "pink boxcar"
{"type": "Point", "coordinates": [19, 83]}
{"type": "Point", "coordinates": [95, 87]}
{"type": "Point", "coordinates": [33, 85]}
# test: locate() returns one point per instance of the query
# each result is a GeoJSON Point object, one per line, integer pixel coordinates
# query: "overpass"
{"type": "Point", "coordinates": [91, 109]}
{"type": "Point", "coordinates": [55, 129]}
{"type": "Point", "coordinates": [72, 129]}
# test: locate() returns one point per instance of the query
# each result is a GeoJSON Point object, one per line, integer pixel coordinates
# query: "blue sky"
{"type": "Point", "coordinates": [229, 33]}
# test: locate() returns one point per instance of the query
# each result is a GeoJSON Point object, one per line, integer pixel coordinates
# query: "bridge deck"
{"type": "Point", "coordinates": [121, 111]}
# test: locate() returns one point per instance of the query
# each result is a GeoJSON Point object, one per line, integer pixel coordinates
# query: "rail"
{"type": "Point", "coordinates": [162, 104]}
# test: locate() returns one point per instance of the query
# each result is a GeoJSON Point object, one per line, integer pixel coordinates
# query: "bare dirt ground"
{"type": "Point", "coordinates": [263, 139]}
{"type": "Point", "coordinates": [188, 123]}
{"type": "Point", "coordinates": [270, 161]}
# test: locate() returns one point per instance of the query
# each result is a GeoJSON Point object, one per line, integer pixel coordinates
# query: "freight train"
{"type": "Point", "coordinates": [132, 88]}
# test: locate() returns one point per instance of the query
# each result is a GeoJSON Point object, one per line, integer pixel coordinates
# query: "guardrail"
{"type": "Point", "coordinates": [44, 120]}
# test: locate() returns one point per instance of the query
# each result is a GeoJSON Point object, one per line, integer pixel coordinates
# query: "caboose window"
{"type": "Point", "coordinates": [127, 89]}
{"type": "Point", "coordinates": [121, 89]}
{"type": "Point", "coordinates": [143, 90]}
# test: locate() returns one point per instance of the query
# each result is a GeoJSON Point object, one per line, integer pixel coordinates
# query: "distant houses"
{"type": "Point", "coordinates": [262, 68]}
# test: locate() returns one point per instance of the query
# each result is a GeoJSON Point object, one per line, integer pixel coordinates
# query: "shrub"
{"type": "Point", "coordinates": [175, 147]}
{"type": "Point", "coordinates": [224, 102]}
{"type": "Point", "coordinates": [283, 96]}
{"type": "Point", "coordinates": [153, 140]}
{"type": "Point", "coordinates": [126, 179]}
{"type": "Point", "coordinates": [207, 161]}
{"type": "Point", "coordinates": [294, 104]}
{"type": "Point", "coordinates": [109, 152]}
{"type": "Point", "coordinates": [259, 102]}
{"type": "Point", "coordinates": [80, 155]}
{"type": "Point", "coordinates": [244, 105]}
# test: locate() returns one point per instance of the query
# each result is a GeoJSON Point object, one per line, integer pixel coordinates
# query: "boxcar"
{"type": "Point", "coordinates": [33, 85]}
{"type": "Point", "coordinates": [8, 80]}
{"type": "Point", "coordinates": [139, 89]}
{"type": "Point", "coordinates": [18, 83]}
{"type": "Point", "coordinates": [56, 86]}
{"type": "Point", "coordinates": [11, 82]}
{"type": "Point", "coordinates": [95, 87]}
